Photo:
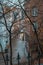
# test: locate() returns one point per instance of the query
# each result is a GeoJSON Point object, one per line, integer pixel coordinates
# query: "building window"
{"type": "Point", "coordinates": [35, 25]}
{"type": "Point", "coordinates": [34, 11]}
{"type": "Point", "coordinates": [28, 11]}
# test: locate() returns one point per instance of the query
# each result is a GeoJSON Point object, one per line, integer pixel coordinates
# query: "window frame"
{"type": "Point", "coordinates": [34, 11]}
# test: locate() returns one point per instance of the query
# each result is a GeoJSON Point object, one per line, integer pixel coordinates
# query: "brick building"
{"type": "Point", "coordinates": [34, 9]}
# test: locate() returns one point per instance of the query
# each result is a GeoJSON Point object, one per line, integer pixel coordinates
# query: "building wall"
{"type": "Point", "coordinates": [38, 19]}
{"type": "Point", "coordinates": [29, 5]}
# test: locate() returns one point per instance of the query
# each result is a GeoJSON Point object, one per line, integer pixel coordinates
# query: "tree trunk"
{"type": "Point", "coordinates": [10, 48]}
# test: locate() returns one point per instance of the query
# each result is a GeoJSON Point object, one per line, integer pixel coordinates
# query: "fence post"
{"type": "Point", "coordinates": [28, 58]}
{"type": "Point", "coordinates": [38, 57]}
{"type": "Point", "coordinates": [6, 51]}
{"type": "Point", "coordinates": [18, 58]}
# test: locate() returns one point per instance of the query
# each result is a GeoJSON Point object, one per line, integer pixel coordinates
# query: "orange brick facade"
{"type": "Point", "coordinates": [39, 20]}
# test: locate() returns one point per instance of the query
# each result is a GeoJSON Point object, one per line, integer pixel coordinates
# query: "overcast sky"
{"type": "Point", "coordinates": [9, 3]}
{"type": "Point", "coordinates": [16, 1]}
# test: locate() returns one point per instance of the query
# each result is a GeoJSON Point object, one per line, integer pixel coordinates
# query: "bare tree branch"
{"type": "Point", "coordinates": [13, 5]}
{"type": "Point", "coordinates": [2, 23]}
{"type": "Point", "coordinates": [4, 18]}
{"type": "Point", "coordinates": [3, 54]}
